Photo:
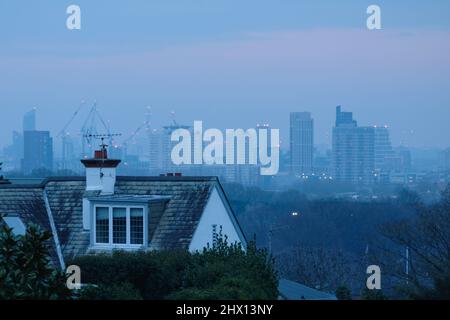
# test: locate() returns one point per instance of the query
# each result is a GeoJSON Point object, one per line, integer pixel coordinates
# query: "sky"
{"type": "Point", "coordinates": [229, 63]}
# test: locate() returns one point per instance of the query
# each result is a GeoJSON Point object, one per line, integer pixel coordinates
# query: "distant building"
{"type": "Point", "coordinates": [13, 153]}
{"type": "Point", "coordinates": [161, 148]}
{"type": "Point", "coordinates": [445, 160]}
{"type": "Point", "coordinates": [353, 151]}
{"type": "Point", "coordinates": [29, 121]}
{"type": "Point", "coordinates": [383, 149]}
{"type": "Point", "coordinates": [17, 146]}
{"type": "Point", "coordinates": [301, 142]}
{"type": "Point", "coordinates": [2, 180]}
{"type": "Point", "coordinates": [405, 158]}
{"type": "Point", "coordinates": [38, 151]}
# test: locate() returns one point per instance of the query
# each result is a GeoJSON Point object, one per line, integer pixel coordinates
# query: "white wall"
{"type": "Point", "coordinates": [95, 181]}
{"type": "Point", "coordinates": [215, 213]}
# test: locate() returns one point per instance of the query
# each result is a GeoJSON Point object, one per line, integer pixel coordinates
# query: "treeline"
{"type": "Point", "coordinates": [328, 223]}
{"type": "Point", "coordinates": [328, 243]}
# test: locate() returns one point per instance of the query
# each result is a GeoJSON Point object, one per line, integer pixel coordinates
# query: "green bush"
{"type": "Point", "coordinates": [26, 271]}
{"type": "Point", "coordinates": [123, 291]}
{"type": "Point", "coordinates": [152, 274]}
{"type": "Point", "coordinates": [343, 293]}
{"type": "Point", "coordinates": [224, 271]}
{"type": "Point", "coordinates": [227, 271]}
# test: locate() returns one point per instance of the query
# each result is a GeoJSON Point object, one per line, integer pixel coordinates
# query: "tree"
{"type": "Point", "coordinates": [343, 293]}
{"type": "Point", "coordinates": [323, 269]}
{"type": "Point", "coordinates": [25, 267]}
{"type": "Point", "coordinates": [426, 238]}
{"type": "Point", "coordinates": [228, 272]}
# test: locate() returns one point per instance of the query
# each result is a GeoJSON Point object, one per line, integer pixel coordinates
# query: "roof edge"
{"type": "Point", "coordinates": [43, 183]}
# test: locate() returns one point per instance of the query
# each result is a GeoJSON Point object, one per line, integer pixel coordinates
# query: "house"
{"type": "Point", "coordinates": [290, 290]}
{"type": "Point", "coordinates": [102, 212]}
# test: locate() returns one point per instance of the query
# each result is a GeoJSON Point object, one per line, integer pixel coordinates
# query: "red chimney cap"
{"type": "Point", "coordinates": [101, 154]}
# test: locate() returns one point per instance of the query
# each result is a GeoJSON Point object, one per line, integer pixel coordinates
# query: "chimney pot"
{"type": "Point", "coordinates": [101, 154]}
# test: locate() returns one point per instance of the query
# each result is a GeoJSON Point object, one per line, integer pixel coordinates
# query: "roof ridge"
{"type": "Point", "coordinates": [46, 181]}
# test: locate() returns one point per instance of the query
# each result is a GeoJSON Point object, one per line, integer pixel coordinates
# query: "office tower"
{"type": "Point", "coordinates": [344, 118]}
{"type": "Point", "coordinates": [353, 154]}
{"type": "Point", "coordinates": [161, 150]}
{"type": "Point", "coordinates": [301, 142]}
{"type": "Point", "coordinates": [29, 120]}
{"type": "Point", "coordinates": [383, 149]}
{"type": "Point", "coordinates": [38, 151]}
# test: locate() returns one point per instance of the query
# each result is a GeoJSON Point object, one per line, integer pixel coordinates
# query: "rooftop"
{"type": "Point", "coordinates": [176, 203]}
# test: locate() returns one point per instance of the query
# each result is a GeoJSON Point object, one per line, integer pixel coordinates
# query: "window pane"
{"type": "Point", "coordinates": [119, 225]}
{"type": "Point", "coordinates": [102, 225]}
{"type": "Point", "coordinates": [137, 226]}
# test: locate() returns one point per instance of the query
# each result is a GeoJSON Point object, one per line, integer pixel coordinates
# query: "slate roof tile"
{"type": "Point", "coordinates": [172, 222]}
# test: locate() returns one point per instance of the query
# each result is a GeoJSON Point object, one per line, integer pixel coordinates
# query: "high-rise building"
{"type": "Point", "coordinates": [161, 149]}
{"type": "Point", "coordinates": [353, 154]}
{"type": "Point", "coordinates": [301, 142]}
{"type": "Point", "coordinates": [38, 151]}
{"type": "Point", "coordinates": [383, 149]}
{"type": "Point", "coordinates": [29, 120]}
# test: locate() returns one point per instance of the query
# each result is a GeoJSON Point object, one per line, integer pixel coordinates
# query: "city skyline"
{"type": "Point", "coordinates": [224, 150]}
{"type": "Point", "coordinates": [166, 117]}
{"type": "Point", "coordinates": [193, 58]}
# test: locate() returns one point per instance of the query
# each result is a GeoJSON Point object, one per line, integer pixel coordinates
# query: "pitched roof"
{"type": "Point", "coordinates": [28, 203]}
{"type": "Point", "coordinates": [290, 290]}
{"type": "Point", "coordinates": [174, 218]}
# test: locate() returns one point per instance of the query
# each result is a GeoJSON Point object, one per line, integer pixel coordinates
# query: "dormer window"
{"type": "Point", "coordinates": [121, 221]}
{"type": "Point", "coordinates": [119, 226]}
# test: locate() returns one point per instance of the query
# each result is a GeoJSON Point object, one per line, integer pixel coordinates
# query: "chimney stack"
{"type": "Point", "coordinates": [101, 172]}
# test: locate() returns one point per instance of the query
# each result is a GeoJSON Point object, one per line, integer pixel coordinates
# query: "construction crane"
{"type": "Point", "coordinates": [173, 117]}
{"type": "Point", "coordinates": [63, 134]}
{"type": "Point", "coordinates": [174, 126]}
{"type": "Point", "coordinates": [136, 132]}
{"type": "Point", "coordinates": [74, 115]}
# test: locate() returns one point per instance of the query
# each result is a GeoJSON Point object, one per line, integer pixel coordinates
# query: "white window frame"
{"type": "Point", "coordinates": [110, 244]}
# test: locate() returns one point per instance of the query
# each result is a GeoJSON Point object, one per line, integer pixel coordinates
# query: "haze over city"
{"type": "Point", "coordinates": [229, 64]}
{"type": "Point", "coordinates": [226, 150]}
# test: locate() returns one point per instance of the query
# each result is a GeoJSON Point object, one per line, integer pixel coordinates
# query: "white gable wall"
{"type": "Point", "coordinates": [215, 213]}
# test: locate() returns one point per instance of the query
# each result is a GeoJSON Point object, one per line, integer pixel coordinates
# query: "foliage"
{"type": "Point", "coordinates": [337, 236]}
{"type": "Point", "coordinates": [153, 274]}
{"type": "Point", "coordinates": [343, 293]}
{"type": "Point", "coordinates": [223, 271]}
{"type": "Point", "coordinates": [373, 295]}
{"type": "Point", "coordinates": [122, 291]}
{"type": "Point", "coordinates": [227, 271]}
{"type": "Point", "coordinates": [319, 268]}
{"type": "Point", "coordinates": [426, 236]}
{"type": "Point", "coordinates": [25, 268]}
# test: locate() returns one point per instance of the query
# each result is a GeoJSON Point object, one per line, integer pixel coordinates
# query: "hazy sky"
{"type": "Point", "coordinates": [230, 63]}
